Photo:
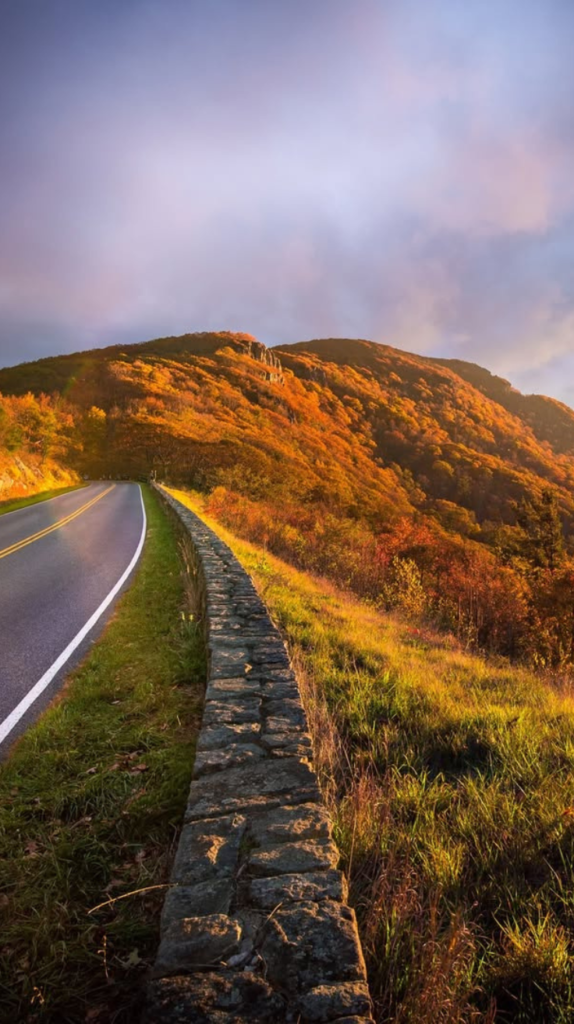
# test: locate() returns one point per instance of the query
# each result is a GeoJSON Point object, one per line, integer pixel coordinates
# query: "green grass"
{"type": "Point", "coordinates": [91, 800]}
{"type": "Point", "coordinates": [451, 781]}
{"type": "Point", "coordinates": [13, 504]}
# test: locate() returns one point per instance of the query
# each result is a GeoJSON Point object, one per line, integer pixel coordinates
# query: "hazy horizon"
{"type": "Point", "coordinates": [399, 172]}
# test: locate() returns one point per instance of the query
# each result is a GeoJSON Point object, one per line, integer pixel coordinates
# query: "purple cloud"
{"type": "Point", "coordinates": [397, 171]}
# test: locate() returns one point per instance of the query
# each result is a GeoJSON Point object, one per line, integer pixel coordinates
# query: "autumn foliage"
{"type": "Point", "coordinates": [38, 439]}
{"type": "Point", "coordinates": [421, 485]}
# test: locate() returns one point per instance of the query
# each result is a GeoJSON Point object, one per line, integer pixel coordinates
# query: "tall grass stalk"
{"type": "Point", "coordinates": [451, 782]}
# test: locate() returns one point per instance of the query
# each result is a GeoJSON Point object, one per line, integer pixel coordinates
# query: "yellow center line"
{"type": "Point", "coordinates": [55, 526]}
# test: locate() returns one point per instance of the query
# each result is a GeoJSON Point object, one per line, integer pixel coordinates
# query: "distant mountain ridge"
{"type": "Point", "coordinates": [352, 423]}
{"type": "Point", "coordinates": [550, 419]}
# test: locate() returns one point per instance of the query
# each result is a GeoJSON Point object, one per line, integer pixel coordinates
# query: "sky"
{"type": "Point", "coordinates": [396, 170]}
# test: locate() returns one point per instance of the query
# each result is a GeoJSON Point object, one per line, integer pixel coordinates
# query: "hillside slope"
{"type": "Point", "coordinates": [414, 430]}
{"type": "Point", "coordinates": [37, 437]}
{"type": "Point", "coordinates": [453, 431]}
{"type": "Point", "coordinates": [549, 419]}
{"type": "Point", "coordinates": [213, 408]}
{"type": "Point", "coordinates": [414, 481]}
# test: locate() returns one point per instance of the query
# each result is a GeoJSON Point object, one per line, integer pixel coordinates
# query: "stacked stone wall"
{"type": "Point", "coordinates": [255, 927]}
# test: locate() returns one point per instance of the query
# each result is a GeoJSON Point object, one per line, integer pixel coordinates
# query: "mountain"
{"type": "Point", "coordinates": [354, 459]}
{"type": "Point", "coordinates": [549, 419]}
{"type": "Point", "coordinates": [404, 431]}
{"type": "Point", "coordinates": [466, 436]}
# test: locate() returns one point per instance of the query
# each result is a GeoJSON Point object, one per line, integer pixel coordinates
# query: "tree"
{"type": "Point", "coordinates": [540, 518]}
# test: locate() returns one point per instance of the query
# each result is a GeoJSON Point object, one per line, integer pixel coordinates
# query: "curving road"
{"type": "Point", "coordinates": [62, 565]}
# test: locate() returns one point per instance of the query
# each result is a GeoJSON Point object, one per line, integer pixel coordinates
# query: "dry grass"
{"type": "Point", "coordinates": [451, 781]}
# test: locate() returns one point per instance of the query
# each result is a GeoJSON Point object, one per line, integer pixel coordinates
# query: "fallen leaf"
{"type": "Point", "coordinates": [4, 901]}
{"type": "Point", "coordinates": [91, 771]}
{"type": "Point", "coordinates": [94, 1013]}
{"type": "Point", "coordinates": [135, 796]}
{"type": "Point", "coordinates": [133, 959]}
{"type": "Point", "coordinates": [37, 996]}
{"type": "Point", "coordinates": [31, 849]}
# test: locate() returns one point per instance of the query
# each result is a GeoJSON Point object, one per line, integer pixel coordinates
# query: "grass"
{"type": "Point", "coordinates": [91, 800]}
{"type": "Point", "coordinates": [13, 504]}
{"type": "Point", "coordinates": [451, 781]}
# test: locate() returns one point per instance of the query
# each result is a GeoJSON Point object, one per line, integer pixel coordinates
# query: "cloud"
{"type": "Point", "coordinates": [400, 171]}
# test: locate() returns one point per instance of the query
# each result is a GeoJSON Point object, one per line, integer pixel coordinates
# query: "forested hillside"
{"type": "Point", "coordinates": [427, 484]}
{"type": "Point", "coordinates": [38, 445]}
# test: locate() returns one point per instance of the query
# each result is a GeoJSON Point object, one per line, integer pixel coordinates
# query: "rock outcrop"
{"type": "Point", "coordinates": [257, 350]}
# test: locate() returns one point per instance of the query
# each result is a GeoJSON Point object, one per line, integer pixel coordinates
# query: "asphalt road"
{"type": "Point", "coordinates": [63, 564]}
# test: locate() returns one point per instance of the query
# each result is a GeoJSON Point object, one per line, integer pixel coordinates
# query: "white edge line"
{"type": "Point", "coordinates": [14, 717]}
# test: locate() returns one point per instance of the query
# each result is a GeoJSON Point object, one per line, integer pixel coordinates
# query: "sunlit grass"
{"type": "Point", "coordinates": [13, 504]}
{"type": "Point", "coordinates": [91, 800]}
{"type": "Point", "coordinates": [451, 779]}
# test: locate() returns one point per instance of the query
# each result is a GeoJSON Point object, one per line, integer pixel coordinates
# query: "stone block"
{"type": "Point", "coordinates": [196, 943]}
{"type": "Point", "coordinates": [208, 850]}
{"type": "Point", "coordinates": [310, 944]}
{"type": "Point", "coordinates": [207, 762]}
{"type": "Point", "coordinates": [287, 858]}
{"type": "Point", "coordinates": [331, 1002]}
{"type": "Point", "coordinates": [275, 659]}
{"type": "Point", "coordinates": [237, 686]}
{"type": "Point", "coordinates": [284, 711]}
{"type": "Point", "coordinates": [289, 781]}
{"type": "Point", "coordinates": [227, 642]}
{"type": "Point", "coordinates": [292, 738]}
{"type": "Point", "coordinates": [291, 750]}
{"type": "Point", "coordinates": [233, 710]}
{"type": "Point", "coordinates": [224, 624]}
{"type": "Point", "coordinates": [223, 997]}
{"type": "Point", "coordinates": [276, 675]}
{"type": "Point", "coordinates": [251, 604]}
{"type": "Point", "coordinates": [225, 663]}
{"type": "Point", "coordinates": [285, 824]}
{"type": "Point", "coordinates": [211, 897]}
{"type": "Point", "coordinates": [216, 737]}
{"type": "Point", "coordinates": [255, 630]}
{"type": "Point", "coordinates": [268, 893]}
{"type": "Point", "coordinates": [280, 689]}
{"type": "Point", "coordinates": [273, 645]}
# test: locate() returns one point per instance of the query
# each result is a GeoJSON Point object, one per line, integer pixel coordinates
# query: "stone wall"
{"type": "Point", "coordinates": [255, 927]}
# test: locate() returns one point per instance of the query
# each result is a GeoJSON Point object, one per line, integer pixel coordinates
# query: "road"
{"type": "Point", "coordinates": [63, 564]}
